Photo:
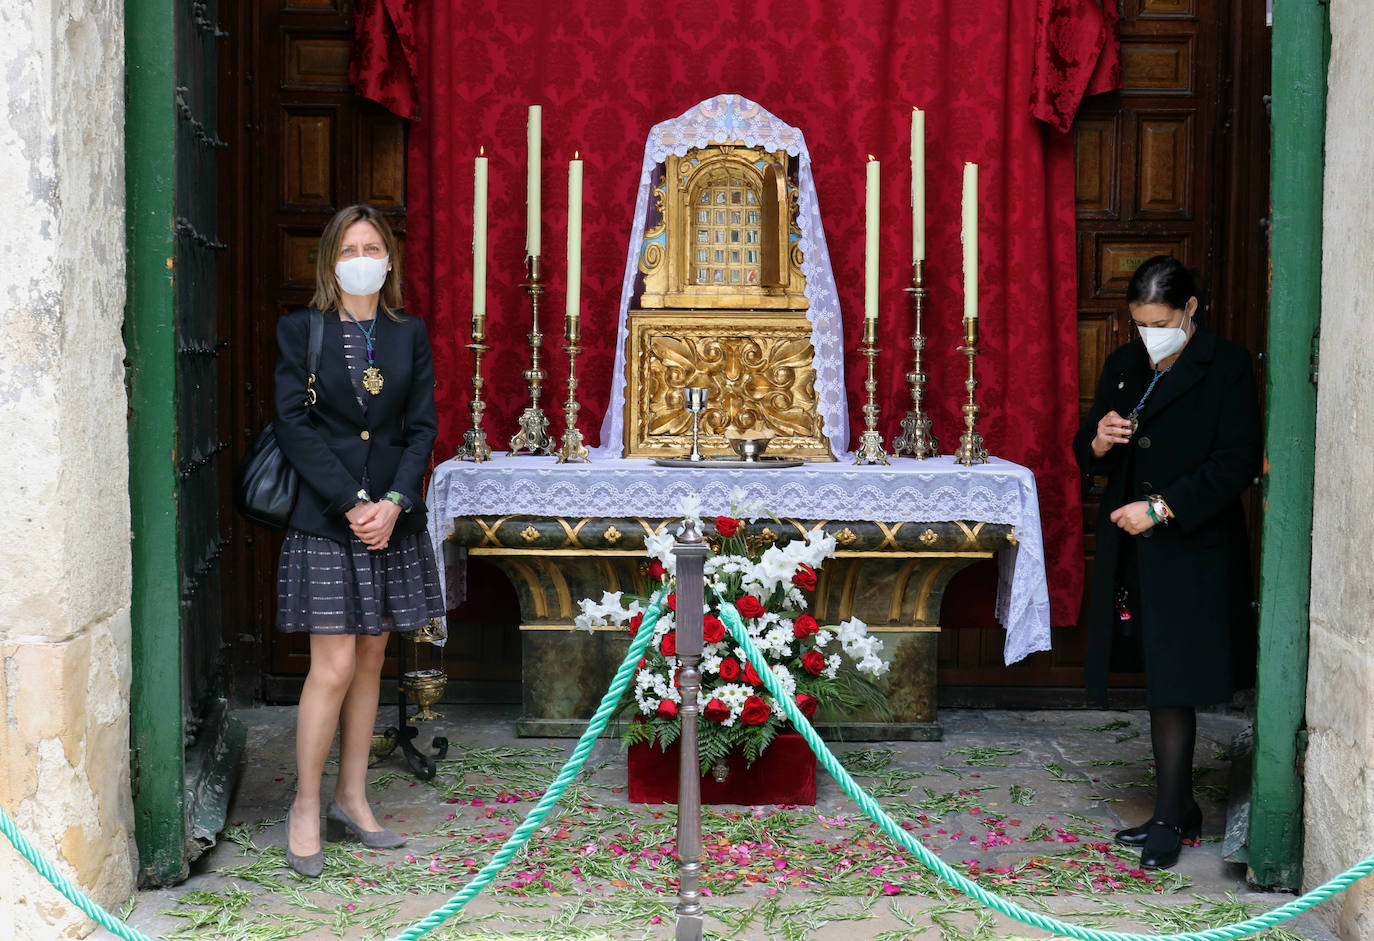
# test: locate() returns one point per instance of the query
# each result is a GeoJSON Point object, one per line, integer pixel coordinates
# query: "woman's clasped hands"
{"type": "Point", "coordinates": [373, 522]}
{"type": "Point", "coordinates": [1112, 429]}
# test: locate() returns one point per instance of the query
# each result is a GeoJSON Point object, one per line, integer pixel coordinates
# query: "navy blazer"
{"type": "Point", "coordinates": [336, 447]}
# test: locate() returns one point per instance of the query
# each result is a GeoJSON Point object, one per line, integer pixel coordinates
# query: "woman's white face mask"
{"type": "Point", "coordinates": [1163, 342]}
{"type": "Point", "coordinates": [362, 276]}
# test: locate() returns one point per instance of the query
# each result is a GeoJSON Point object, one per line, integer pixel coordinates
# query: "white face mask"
{"type": "Point", "coordinates": [1163, 342]}
{"type": "Point", "coordinates": [362, 276]}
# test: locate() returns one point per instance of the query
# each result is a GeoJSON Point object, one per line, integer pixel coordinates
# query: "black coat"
{"type": "Point", "coordinates": [1198, 445]}
{"type": "Point", "coordinates": [334, 445]}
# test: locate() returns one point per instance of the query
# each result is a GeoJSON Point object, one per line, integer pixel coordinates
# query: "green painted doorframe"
{"type": "Point", "coordinates": [156, 720]}
{"type": "Point", "coordinates": [1301, 50]}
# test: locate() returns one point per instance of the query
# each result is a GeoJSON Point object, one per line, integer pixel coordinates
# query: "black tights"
{"type": "Point", "coordinates": [1173, 731]}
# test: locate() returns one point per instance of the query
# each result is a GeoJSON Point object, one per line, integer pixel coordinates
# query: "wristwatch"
{"type": "Point", "coordinates": [1159, 510]}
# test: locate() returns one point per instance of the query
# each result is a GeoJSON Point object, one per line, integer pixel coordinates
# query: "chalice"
{"type": "Point", "coordinates": [694, 398]}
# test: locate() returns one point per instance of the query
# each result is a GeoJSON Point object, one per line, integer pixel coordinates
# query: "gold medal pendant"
{"type": "Point", "coordinates": [372, 380]}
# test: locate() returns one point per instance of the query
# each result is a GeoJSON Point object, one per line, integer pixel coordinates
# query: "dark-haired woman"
{"type": "Point", "coordinates": [356, 563]}
{"type": "Point", "coordinates": [1175, 428]}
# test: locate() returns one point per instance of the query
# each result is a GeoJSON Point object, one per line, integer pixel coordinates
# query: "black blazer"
{"type": "Point", "coordinates": [334, 445]}
{"type": "Point", "coordinates": [1198, 445]}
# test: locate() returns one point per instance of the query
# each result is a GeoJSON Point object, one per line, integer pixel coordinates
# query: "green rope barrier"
{"type": "Point", "coordinates": [521, 836]}
{"type": "Point", "coordinates": [61, 883]}
{"type": "Point", "coordinates": [870, 807]}
{"type": "Point", "coordinates": [484, 876]}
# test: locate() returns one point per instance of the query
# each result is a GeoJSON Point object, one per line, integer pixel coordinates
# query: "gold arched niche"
{"type": "Point", "coordinates": [706, 199]}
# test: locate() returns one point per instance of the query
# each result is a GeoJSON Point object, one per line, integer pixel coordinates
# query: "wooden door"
{"type": "Point", "coordinates": [1174, 163]}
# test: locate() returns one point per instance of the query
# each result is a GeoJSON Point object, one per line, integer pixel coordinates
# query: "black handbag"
{"type": "Point", "coordinates": [265, 483]}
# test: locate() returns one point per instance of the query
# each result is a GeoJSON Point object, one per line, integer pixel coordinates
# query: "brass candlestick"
{"type": "Point", "coordinates": [971, 450]}
{"type": "Point", "coordinates": [572, 449]}
{"type": "Point", "coordinates": [870, 449]}
{"type": "Point", "coordinates": [916, 438]}
{"type": "Point", "coordinates": [533, 435]}
{"type": "Point", "coordinates": [474, 447]}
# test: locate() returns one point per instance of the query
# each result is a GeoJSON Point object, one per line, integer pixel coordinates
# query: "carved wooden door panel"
{"type": "Point", "coordinates": [1175, 163]}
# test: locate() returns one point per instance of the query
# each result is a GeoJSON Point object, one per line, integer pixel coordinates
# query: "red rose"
{"type": "Point", "coordinates": [729, 669]}
{"type": "Point", "coordinates": [712, 629]}
{"type": "Point", "coordinates": [643, 662]}
{"type": "Point", "coordinates": [716, 711]}
{"type": "Point", "coordinates": [804, 626]}
{"type": "Point", "coordinates": [727, 526]}
{"type": "Point", "coordinates": [749, 607]}
{"type": "Point", "coordinates": [756, 711]}
{"type": "Point", "coordinates": [666, 709]}
{"type": "Point", "coordinates": [805, 579]}
{"type": "Point", "coordinates": [812, 660]}
{"type": "Point", "coordinates": [635, 621]}
{"type": "Point", "coordinates": [807, 704]}
{"type": "Point", "coordinates": [669, 645]}
{"type": "Point", "coordinates": [751, 676]}
{"type": "Point", "coordinates": [672, 602]}
{"type": "Point", "coordinates": [656, 570]}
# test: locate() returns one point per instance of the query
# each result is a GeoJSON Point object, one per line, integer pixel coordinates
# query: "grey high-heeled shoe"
{"type": "Point", "coordinates": [310, 866]}
{"type": "Point", "coordinates": [338, 824]}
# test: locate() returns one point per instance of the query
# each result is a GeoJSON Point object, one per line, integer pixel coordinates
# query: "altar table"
{"type": "Point", "coordinates": [562, 532]}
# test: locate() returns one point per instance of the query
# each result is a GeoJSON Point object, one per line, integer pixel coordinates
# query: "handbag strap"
{"type": "Point", "coordinates": [312, 358]}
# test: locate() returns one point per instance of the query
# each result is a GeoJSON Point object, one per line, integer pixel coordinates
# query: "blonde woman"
{"type": "Point", "coordinates": [356, 563]}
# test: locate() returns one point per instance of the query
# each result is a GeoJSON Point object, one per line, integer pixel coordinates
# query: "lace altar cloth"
{"type": "Point", "coordinates": [934, 490]}
{"type": "Point", "coordinates": [733, 118]}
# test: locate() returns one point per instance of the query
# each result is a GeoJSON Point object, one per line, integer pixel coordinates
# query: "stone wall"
{"type": "Point", "coordinates": [64, 543]}
{"type": "Point", "coordinates": [1339, 811]}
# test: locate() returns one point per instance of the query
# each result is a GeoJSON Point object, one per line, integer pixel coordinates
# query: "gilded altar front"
{"type": "Point", "coordinates": [722, 306]}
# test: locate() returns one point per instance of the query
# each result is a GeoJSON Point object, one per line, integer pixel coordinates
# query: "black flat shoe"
{"type": "Point", "coordinates": [1162, 846]}
{"type": "Point", "coordinates": [1191, 829]}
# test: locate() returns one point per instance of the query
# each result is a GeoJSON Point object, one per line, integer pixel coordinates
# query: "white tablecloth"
{"type": "Point", "coordinates": [934, 490]}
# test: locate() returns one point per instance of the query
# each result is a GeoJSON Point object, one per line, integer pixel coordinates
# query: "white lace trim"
{"type": "Point", "coordinates": [732, 117]}
{"type": "Point", "coordinates": [935, 490]}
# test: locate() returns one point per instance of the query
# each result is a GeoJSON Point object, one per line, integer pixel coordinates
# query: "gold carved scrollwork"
{"type": "Point", "coordinates": [846, 537]}
{"type": "Point", "coordinates": [760, 380]}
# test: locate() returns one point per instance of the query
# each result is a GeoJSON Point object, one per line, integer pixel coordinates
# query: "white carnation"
{"type": "Point", "coordinates": [832, 666]}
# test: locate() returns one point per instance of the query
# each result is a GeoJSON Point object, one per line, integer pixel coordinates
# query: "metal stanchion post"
{"type": "Point", "coordinates": [691, 558]}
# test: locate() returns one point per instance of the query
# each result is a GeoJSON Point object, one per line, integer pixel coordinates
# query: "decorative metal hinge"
{"type": "Point", "coordinates": [134, 764]}
{"type": "Point", "coordinates": [1315, 359]}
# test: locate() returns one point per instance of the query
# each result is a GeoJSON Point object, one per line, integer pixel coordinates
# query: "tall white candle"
{"type": "Point", "coordinates": [574, 237]}
{"type": "Point", "coordinates": [533, 140]}
{"type": "Point", "coordinates": [871, 240]}
{"type": "Point", "coordinates": [918, 184]}
{"type": "Point", "coordinates": [970, 238]}
{"type": "Point", "coordinates": [479, 238]}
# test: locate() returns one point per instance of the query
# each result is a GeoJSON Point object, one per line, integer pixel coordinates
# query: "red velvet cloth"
{"type": "Point", "coordinates": [1078, 52]}
{"type": "Point", "coordinates": [383, 64]}
{"type": "Point", "coordinates": [847, 75]}
{"type": "Point", "coordinates": [784, 774]}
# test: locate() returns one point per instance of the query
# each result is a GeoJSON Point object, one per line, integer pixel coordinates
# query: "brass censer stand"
{"type": "Point", "coordinates": [424, 688]}
{"type": "Point", "coordinates": [533, 436]}
{"type": "Point", "coordinates": [573, 449]}
{"type": "Point", "coordinates": [916, 438]}
{"type": "Point", "coordinates": [971, 450]}
{"type": "Point", "coordinates": [474, 447]}
{"type": "Point", "coordinates": [870, 450]}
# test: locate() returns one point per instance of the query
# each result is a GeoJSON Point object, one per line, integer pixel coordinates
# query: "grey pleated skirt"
{"type": "Point", "coordinates": [326, 587]}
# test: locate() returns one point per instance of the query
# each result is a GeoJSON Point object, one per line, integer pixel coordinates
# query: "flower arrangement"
{"type": "Point", "coordinates": [767, 584]}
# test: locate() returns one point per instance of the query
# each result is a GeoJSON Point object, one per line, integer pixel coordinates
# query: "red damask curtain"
{"type": "Point", "coordinates": [846, 73]}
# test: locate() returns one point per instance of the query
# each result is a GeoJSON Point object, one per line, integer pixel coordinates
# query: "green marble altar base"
{"type": "Point", "coordinates": [892, 576]}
